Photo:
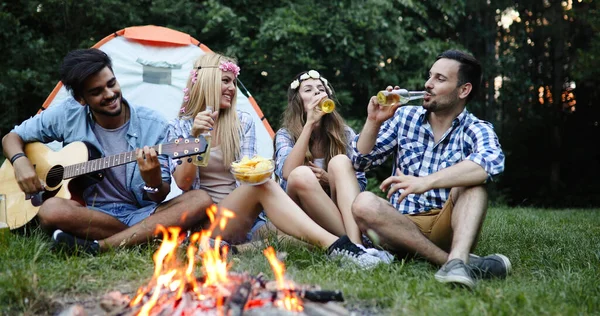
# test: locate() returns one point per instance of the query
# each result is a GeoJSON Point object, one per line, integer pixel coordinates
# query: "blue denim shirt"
{"type": "Point", "coordinates": [69, 122]}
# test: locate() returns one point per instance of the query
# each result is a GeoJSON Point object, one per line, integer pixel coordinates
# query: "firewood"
{"type": "Point", "coordinates": [234, 306]}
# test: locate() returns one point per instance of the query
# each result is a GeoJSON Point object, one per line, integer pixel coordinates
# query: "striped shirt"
{"type": "Point", "coordinates": [410, 137]}
{"type": "Point", "coordinates": [284, 143]}
{"type": "Point", "coordinates": [182, 128]}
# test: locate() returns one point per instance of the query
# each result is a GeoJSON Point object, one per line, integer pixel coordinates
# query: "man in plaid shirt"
{"type": "Point", "coordinates": [444, 156]}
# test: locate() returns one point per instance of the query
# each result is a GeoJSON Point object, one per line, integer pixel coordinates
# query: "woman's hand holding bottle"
{"type": "Point", "coordinates": [314, 112]}
{"type": "Point", "coordinates": [204, 122]}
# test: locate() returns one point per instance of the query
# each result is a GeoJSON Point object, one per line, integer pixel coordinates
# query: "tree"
{"type": "Point", "coordinates": [540, 72]}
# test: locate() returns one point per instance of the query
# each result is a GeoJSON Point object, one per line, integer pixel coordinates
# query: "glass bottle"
{"type": "Point", "coordinates": [402, 96]}
{"type": "Point", "coordinates": [202, 159]}
{"type": "Point", "coordinates": [327, 105]}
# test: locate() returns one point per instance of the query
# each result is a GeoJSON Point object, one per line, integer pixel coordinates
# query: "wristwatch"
{"type": "Point", "coordinates": [150, 189]}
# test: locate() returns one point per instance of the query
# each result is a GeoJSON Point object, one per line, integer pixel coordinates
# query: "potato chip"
{"type": "Point", "coordinates": [255, 170]}
{"type": "Point", "coordinates": [263, 166]}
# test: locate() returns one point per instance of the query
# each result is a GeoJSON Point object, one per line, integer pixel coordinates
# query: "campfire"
{"type": "Point", "coordinates": [176, 290]}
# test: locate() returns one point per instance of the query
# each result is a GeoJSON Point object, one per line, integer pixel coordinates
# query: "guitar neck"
{"type": "Point", "coordinates": [82, 168]}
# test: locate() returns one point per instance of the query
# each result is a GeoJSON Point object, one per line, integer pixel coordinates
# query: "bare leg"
{"type": "Point", "coordinates": [396, 232]}
{"type": "Point", "coordinates": [247, 201]}
{"type": "Point", "coordinates": [72, 217]}
{"type": "Point", "coordinates": [304, 188]}
{"type": "Point", "coordinates": [467, 217]}
{"type": "Point", "coordinates": [344, 189]}
{"type": "Point", "coordinates": [185, 211]}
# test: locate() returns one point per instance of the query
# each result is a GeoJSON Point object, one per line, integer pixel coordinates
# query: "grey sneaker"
{"type": "Point", "coordinates": [492, 266]}
{"type": "Point", "coordinates": [383, 255]}
{"type": "Point", "coordinates": [344, 248]}
{"type": "Point", "coordinates": [457, 272]}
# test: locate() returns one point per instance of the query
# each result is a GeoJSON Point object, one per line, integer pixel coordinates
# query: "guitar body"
{"type": "Point", "coordinates": [48, 164]}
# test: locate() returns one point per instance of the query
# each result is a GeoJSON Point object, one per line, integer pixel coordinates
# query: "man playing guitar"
{"type": "Point", "coordinates": [125, 207]}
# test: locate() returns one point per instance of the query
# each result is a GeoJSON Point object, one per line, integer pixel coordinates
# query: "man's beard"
{"type": "Point", "coordinates": [445, 103]}
{"type": "Point", "coordinates": [113, 114]}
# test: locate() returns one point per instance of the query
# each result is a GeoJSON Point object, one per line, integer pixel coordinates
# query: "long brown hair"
{"type": "Point", "coordinates": [332, 127]}
{"type": "Point", "coordinates": [206, 90]}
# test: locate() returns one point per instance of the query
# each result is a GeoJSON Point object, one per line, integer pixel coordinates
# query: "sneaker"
{"type": "Point", "coordinates": [492, 266]}
{"type": "Point", "coordinates": [457, 272]}
{"type": "Point", "coordinates": [73, 245]}
{"type": "Point", "coordinates": [385, 256]}
{"type": "Point", "coordinates": [346, 249]}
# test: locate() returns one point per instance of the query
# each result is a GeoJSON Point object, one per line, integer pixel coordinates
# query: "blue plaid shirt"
{"type": "Point", "coordinates": [284, 143]}
{"type": "Point", "coordinates": [409, 136]}
{"type": "Point", "coordinates": [183, 127]}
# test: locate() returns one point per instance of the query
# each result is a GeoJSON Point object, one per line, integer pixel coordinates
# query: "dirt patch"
{"type": "Point", "coordinates": [72, 305]}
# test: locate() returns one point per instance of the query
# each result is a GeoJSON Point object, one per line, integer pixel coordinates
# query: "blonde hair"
{"type": "Point", "coordinates": [332, 127]}
{"type": "Point", "coordinates": [206, 91]}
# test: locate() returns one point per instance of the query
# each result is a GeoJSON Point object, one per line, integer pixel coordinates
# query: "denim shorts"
{"type": "Point", "coordinates": [126, 213]}
{"type": "Point", "coordinates": [259, 222]}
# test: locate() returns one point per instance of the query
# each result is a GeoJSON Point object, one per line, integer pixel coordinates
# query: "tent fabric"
{"type": "Point", "coordinates": [152, 64]}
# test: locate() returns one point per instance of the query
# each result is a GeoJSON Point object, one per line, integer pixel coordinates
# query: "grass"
{"type": "Point", "coordinates": [555, 256]}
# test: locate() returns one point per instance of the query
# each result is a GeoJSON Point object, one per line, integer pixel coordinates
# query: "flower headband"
{"type": "Point", "coordinates": [310, 74]}
{"type": "Point", "coordinates": [225, 66]}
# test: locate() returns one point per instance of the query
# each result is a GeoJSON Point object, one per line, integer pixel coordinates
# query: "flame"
{"type": "Point", "coordinates": [214, 259]}
{"type": "Point", "coordinates": [170, 275]}
{"type": "Point", "coordinates": [291, 301]}
{"type": "Point", "coordinates": [173, 278]}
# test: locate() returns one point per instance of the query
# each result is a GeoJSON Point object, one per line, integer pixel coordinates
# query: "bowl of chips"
{"type": "Point", "coordinates": [253, 171]}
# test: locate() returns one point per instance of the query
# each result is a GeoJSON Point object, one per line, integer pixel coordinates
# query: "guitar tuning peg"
{"type": "Point", "coordinates": [189, 159]}
{"type": "Point", "coordinates": [178, 161]}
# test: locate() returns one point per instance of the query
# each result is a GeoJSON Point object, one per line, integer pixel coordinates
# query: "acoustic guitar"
{"type": "Point", "coordinates": [67, 172]}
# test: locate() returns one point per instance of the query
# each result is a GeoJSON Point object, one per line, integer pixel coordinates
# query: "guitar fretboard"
{"type": "Point", "coordinates": [82, 168]}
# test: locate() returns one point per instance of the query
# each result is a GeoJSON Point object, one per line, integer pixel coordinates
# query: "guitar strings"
{"type": "Point", "coordinates": [61, 172]}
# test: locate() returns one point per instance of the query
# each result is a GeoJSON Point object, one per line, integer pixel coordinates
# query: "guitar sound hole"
{"type": "Point", "coordinates": [55, 176]}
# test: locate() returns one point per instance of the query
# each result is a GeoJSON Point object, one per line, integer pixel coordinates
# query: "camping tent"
{"type": "Point", "coordinates": [152, 64]}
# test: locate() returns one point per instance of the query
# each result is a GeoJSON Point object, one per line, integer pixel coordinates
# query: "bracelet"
{"type": "Point", "coordinates": [15, 157]}
{"type": "Point", "coordinates": [150, 189]}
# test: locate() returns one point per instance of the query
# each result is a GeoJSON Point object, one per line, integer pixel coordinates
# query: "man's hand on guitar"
{"type": "Point", "coordinates": [147, 160]}
{"type": "Point", "coordinates": [26, 177]}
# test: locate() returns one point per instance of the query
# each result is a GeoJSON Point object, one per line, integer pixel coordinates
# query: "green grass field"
{"type": "Point", "coordinates": [555, 256]}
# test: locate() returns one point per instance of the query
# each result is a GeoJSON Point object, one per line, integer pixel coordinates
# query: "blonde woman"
{"type": "Point", "coordinates": [213, 82]}
{"type": "Point", "coordinates": [312, 151]}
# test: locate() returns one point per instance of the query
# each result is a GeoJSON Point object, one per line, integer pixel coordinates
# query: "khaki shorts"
{"type": "Point", "coordinates": [436, 224]}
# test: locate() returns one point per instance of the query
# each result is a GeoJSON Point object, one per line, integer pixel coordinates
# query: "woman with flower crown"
{"type": "Point", "coordinates": [312, 151]}
{"type": "Point", "coordinates": [213, 82]}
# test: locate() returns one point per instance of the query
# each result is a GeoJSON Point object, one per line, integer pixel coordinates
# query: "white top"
{"type": "Point", "coordinates": [320, 162]}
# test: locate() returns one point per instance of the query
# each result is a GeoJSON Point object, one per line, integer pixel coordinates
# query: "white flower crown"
{"type": "Point", "coordinates": [310, 74]}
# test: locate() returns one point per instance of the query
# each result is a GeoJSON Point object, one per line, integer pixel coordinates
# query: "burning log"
{"type": "Point", "coordinates": [235, 304]}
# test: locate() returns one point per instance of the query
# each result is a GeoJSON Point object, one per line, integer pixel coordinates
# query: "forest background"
{"type": "Point", "coordinates": [541, 66]}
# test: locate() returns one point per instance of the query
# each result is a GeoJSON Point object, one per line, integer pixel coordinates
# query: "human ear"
{"type": "Point", "coordinates": [80, 100]}
{"type": "Point", "coordinates": [465, 89]}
